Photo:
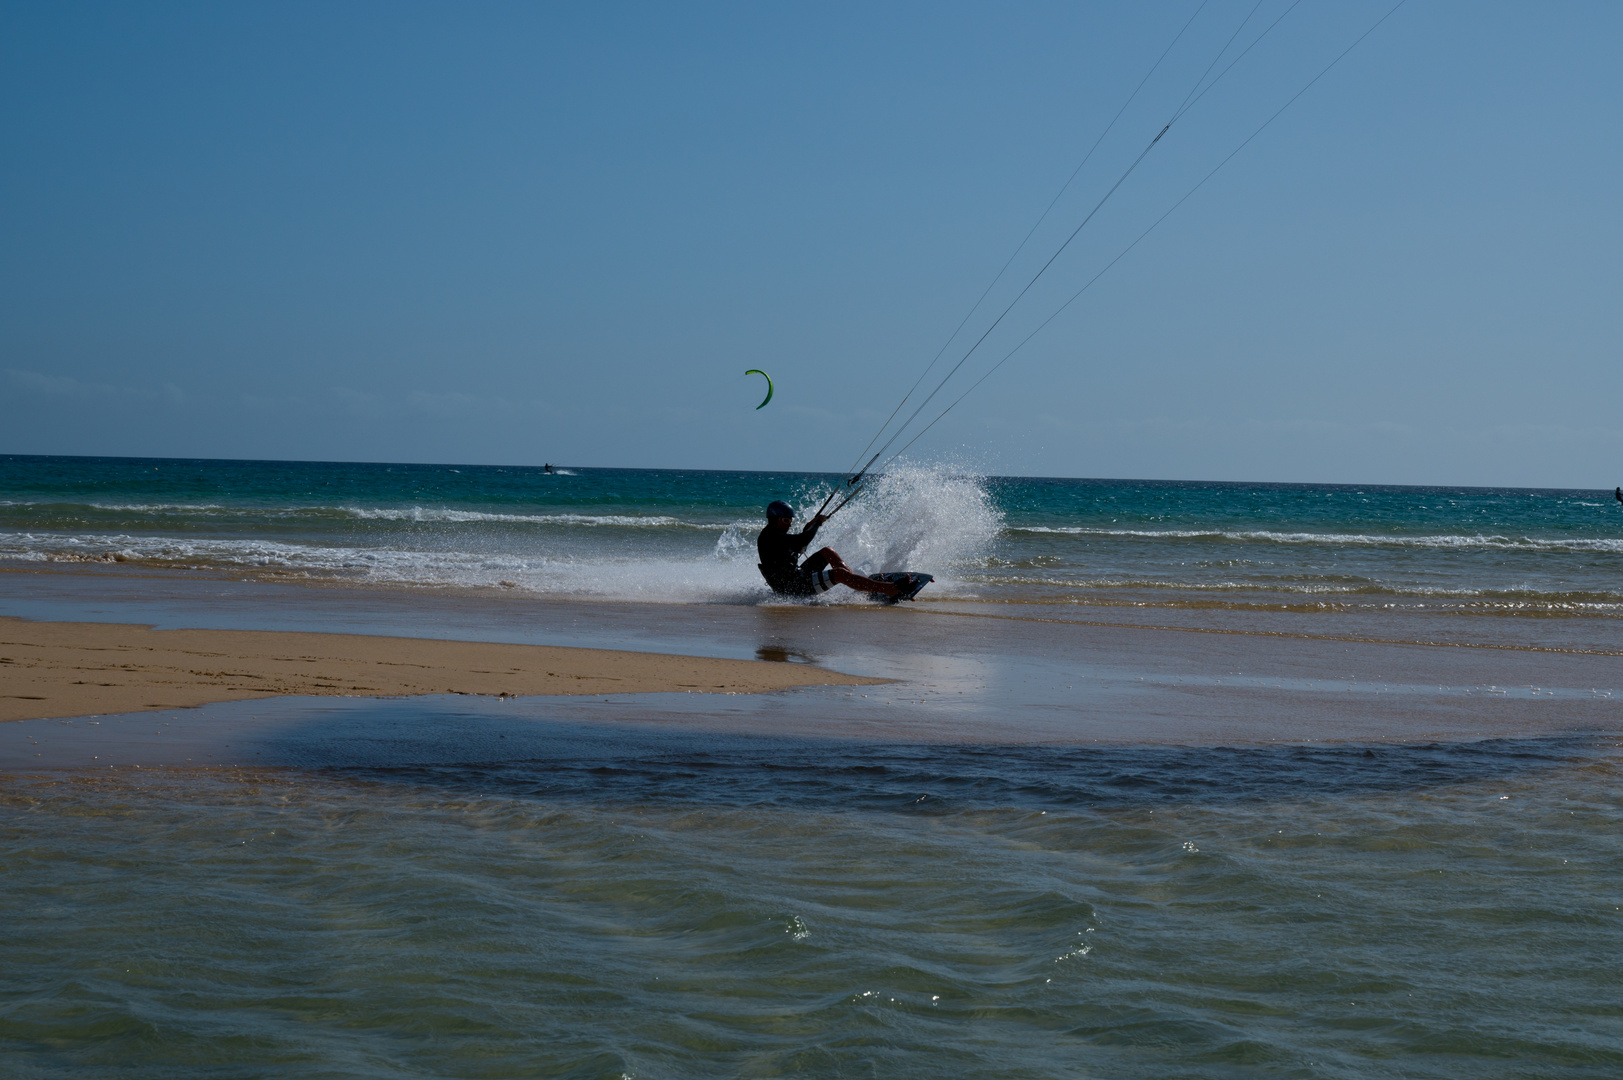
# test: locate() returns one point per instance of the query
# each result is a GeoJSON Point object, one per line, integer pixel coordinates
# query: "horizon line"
{"type": "Point", "coordinates": [773, 472]}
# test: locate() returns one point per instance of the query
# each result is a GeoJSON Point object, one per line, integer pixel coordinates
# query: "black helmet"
{"type": "Point", "coordinates": [779, 509]}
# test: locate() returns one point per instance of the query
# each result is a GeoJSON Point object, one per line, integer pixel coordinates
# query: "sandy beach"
{"type": "Point", "coordinates": [61, 669]}
{"type": "Point", "coordinates": [1014, 677]}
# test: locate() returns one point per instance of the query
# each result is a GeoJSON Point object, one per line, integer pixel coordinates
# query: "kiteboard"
{"type": "Point", "coordinates": [910, 588]}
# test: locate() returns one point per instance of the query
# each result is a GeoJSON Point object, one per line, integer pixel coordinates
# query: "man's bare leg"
{"type": "Point", "coordinates": [864, 584]}
{"type": "Point", "coordinates": [844, 575]}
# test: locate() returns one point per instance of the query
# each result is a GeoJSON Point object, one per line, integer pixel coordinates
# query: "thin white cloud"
{"type": "Point", "coordinates": [65, 386]}
{"type": "Point", "coordinates": [60, 385]}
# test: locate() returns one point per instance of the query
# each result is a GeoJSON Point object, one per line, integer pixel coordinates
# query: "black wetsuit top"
{"type": "Point", "coordinates": [780, 557]}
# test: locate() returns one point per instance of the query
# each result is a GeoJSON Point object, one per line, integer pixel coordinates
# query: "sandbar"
{"type": "Point", "coordinates": [63, 669]}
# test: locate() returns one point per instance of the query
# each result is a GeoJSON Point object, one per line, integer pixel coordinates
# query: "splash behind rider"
{"type": "Point", "coordinates": [780, 559]}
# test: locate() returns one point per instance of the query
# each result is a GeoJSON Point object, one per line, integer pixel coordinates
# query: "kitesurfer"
{"type": "Point", "coordinates": [781, 566]}
{"type": "Point", "coordinates": [1619, 493]}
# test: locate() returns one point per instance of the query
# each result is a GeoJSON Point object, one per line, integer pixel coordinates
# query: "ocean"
{"type": "Point", "coordinates": [1176, 779]}
{"type": "Point", "coordinates": [688, 537]}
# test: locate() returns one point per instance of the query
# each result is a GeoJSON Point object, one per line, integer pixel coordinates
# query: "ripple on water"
{"type": "Point", "coordinates": [903, 911]}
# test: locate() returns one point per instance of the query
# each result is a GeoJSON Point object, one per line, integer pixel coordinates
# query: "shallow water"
{"type": "Point", "coordinates": [1064, 843]}
{"type": "Point", "coordinates": [681, 905]}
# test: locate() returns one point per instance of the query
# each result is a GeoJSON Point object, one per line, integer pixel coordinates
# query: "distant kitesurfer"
{"type": "Point", "coordinates": [1619, 493]}
{"type": "Point", "coordinates": [547, 469]}
{"type": "Point", "coordinates": [780, 559]}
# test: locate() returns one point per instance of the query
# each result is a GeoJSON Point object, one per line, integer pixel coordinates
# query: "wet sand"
{"type": "Point", "coordinates": [955, 677]}
{"type": "Point", "coordinates": [63, 669]}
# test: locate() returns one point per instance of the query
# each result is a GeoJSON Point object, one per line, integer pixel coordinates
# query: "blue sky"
{"type": "Point", "coordinates": [524, 233]}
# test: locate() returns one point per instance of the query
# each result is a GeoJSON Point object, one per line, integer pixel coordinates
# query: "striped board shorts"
{"type": "Point", "coordinates": [802, 582]}
{"type": "Point", "coordinates": [820, 582]}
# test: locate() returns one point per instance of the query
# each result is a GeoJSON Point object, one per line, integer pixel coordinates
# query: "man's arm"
{"type": "Point", "coordinates": [804, 536]}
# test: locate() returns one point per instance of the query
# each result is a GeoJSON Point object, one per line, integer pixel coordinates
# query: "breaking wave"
{"type": "Point", "coordinates": [1441, 541]}
{"type": "Point", "coordinates": [914, 518]}
{"type": "Point", "coordinates": [208, 511]}
{"type": "Point", "coordinates": [630, 521]}
{"type": "Point", "coordinates": [690, 536]}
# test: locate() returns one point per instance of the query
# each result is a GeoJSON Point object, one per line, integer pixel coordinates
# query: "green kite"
{"type": "Point", "coordinates": [768, 378]}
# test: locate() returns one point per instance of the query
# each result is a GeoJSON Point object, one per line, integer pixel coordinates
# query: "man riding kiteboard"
{"type": "Point", "coordinates": [780, 560]}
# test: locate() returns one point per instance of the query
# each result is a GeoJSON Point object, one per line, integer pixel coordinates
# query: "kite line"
{"type": "Point", "coordinates": [856, 480]}
{"type": "Point", "coordinates": [976, 306]}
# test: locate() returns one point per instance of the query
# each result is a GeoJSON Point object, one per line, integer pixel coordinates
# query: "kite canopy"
{"type": "Point", "coordinates": [768, 378]}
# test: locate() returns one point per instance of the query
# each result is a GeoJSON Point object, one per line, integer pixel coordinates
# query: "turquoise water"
{"type": "Point", "coordinates": [688, 536]}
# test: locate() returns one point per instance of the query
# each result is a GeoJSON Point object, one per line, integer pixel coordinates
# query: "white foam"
{"type": "Point", "coordinates": [1440, 541]}
{"type": "Point", "coordinates": [913, 518]}
{"type": "Point", "coordinates": [408, 513]}
{"type": "Point", "coordinates": [138, 508]}
{"type": "Point", "coordinates": [419, 513]}
{"type": "Point", "coordinates": [1349, 588]}
{"type": "Point", "coordinates": [657, 579]}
